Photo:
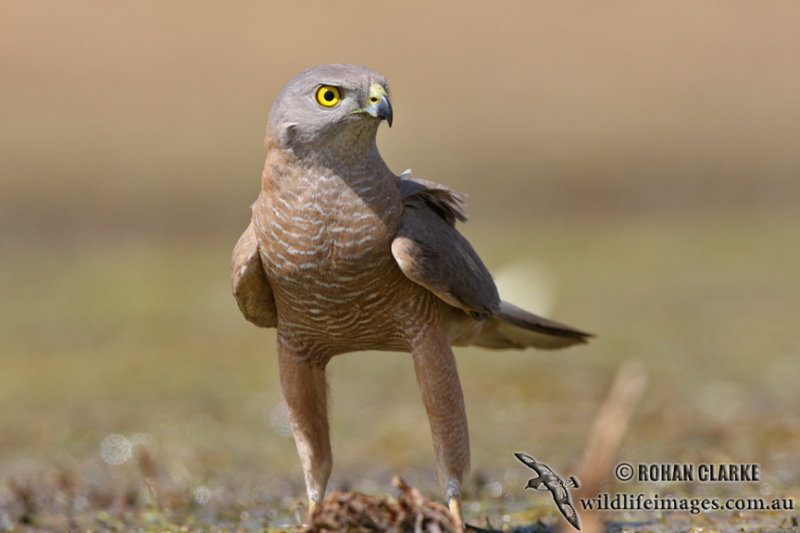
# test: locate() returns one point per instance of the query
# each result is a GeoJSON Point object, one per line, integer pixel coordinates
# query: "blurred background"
{"type": "Point", "coordinates": [633, 169]}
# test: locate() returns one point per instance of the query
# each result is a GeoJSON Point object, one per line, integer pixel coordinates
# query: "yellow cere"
{"type": "Point", "coordinates": [376, 91]}
{"type": "Point", "coordinates": [328, 95]}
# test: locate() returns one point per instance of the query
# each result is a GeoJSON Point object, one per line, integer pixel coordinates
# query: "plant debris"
{"type": "Point", "coordinates": [353, 511]}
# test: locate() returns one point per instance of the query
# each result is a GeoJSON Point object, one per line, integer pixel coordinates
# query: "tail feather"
{"type": "Point", "coordinates": [512, 327]}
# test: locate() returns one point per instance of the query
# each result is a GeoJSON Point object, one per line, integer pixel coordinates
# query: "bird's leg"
{"type": "Point", "coordinates": [441, 393]}
{"type": "Point", "coordinates": [454, 502]}
{"type": "Point", "coordinates": [305, 393]}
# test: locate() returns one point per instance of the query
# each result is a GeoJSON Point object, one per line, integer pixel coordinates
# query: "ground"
{"type": "Point", "coordinates": [135, 396]}
{"type": "Point", "coordinates": [632, 170]}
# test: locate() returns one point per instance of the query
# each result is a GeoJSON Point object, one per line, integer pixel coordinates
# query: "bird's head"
{"type": "Point", "coordinates": [330, 108]}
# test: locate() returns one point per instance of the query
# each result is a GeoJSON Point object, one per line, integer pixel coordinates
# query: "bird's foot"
{"type": "Point", "coordinates": [455, 510]}
{"type": "Point", "coordinates": [312, 505]}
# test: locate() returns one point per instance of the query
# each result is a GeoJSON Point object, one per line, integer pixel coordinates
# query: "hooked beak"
{"type": "Point", "coordinates": [378, 104]}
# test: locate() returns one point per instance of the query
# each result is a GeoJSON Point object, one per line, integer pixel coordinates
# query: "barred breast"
{"type": "Point", "coordinates": [326, 251]}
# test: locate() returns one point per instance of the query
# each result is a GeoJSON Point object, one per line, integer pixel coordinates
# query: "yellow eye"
{"type": "Point", "coordinates": [328, 95]}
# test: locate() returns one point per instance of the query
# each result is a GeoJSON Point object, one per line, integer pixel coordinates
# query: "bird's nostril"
{"type": "Point", "coordinates": [374, 99]}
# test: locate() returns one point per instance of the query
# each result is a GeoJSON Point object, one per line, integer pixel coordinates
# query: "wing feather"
{"type": "Point", "coordinates": [445, 202]}
{"type": "Point", "coordinates": [249, 282]}
{"type": "Point", "coordinates": [432, 253]}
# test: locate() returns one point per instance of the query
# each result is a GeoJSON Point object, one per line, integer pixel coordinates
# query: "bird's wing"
{"type": "Point", "coordinates": [561, 496]}
{"type": "Point", "coordinates": [528, 461]}
{"type": "Point", "coordinates": [249, 282]}
{"type": "Point", "coordinates": [447, 203]}
{"type": "Point", "coordinates": [558, 490]}
{"type": "Point", "coordinates": [433, 254]}
{"type": "Point", "coordinates": [570, 514]}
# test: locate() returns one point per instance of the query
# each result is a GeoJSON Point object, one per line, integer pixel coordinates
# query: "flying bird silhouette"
{"type": "Point", "coordinates": [343, 255]}
{"type": "Point", "coordinates": [546, 479]}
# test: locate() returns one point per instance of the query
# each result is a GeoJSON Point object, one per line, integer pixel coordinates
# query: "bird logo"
{"type": "Point", "coordinates": [546, 479]}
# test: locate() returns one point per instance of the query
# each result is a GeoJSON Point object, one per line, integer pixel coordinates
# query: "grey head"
{"type": "Point", "coordinates": [330, 110]}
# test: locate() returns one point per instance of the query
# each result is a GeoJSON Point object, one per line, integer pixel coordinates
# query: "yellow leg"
{"type": "Point", "coordinates": [312, 505]}
{"type": "Point", "coordinates": [455, 510]}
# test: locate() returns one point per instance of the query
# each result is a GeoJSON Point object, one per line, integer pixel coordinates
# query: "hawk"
{"type": "Point", "coordinates": [343, 255]}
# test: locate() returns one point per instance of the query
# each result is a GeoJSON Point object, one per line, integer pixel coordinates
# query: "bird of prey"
{"type": "Point", "coordinates": [546, 479]}
{"type": "Point", "coordinates": [343, 255]}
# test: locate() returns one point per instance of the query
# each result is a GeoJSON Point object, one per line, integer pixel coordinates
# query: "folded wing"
{"type": "Point", "coordinates": [249, 282]}
{"type": "Point", "coordinates": [432, 253]}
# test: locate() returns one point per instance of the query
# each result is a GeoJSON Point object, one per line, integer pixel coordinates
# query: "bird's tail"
{"type": "Point", "coordinates": [512, 327]}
